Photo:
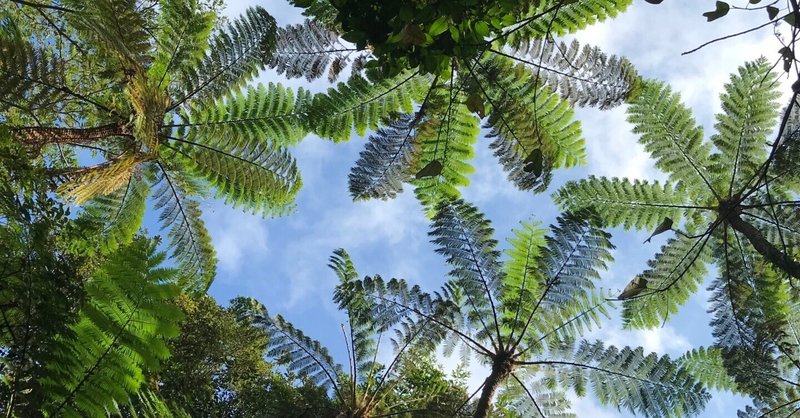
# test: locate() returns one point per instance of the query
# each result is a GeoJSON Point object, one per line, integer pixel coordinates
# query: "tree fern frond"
{"type": "Point", "coordinates": [259, 115]}
{"type": "Point", "coordinates": [309, 49]}
{"type": "Point", "coordinates": [707, 366]}
{"type": "Point", "coordinates": [362, 104]}
{"type": "Point", "coordinates": [235, 56]}
{"type": "Point", "coordinates": [619, 202]}
{"type": "Point", "coordinates": [291, 346]}
{"type": "Point", "coordinates": [447, 138]}
{"type": "Point", "coordinates": [190, 242]}
{"type": "Point", "coordinates": [671, 136]}
{"type": "Point", "coordinates": [525, 397]}
{"type": "Point", "coordinates": [526, 117]}
{"type": "Point", "coordinates": [522, 275]}
{"type": "Point", "coordinates": [120, 213]}
{"type": "Point", "coordinates": [627, 378]}
{"type": "Point", "coordinates": [583, 76]}
{"type": "Point", "coordinates": [30, 76]}
{"type": "Point", "coordinates": [120, 335]}
{"type": "Point", "coordinates": [568, 18]}
{"type": "Point", "coordinates": [749, 109]}
{"type": "Point", "coordinates": [387, 160]}
{"type": "Point", "coordinates": [181, 38]}
{"type": "Point", "coordinates": [117, 27]}
{"type": "Point", "coordinates": [464, 237]}
{"type": "Point", "coordinates": [674, 274]}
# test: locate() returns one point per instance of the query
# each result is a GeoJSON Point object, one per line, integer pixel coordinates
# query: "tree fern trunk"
{"type": "Point", "coordinates": [775, 256]}
{"type": "Point", "coordinates": [500, 371]}
{"type": "Point", "coordinates": [37, 137]}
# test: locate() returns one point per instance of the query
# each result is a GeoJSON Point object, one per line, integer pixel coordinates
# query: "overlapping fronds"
{"type": "Point", "coordinates": [522, 274]}
{"type": "Point", "coordinates": [362, 104]}
{"type": "Point", "coordinates": [189, 240]}
{"type": "Point", "coordinates": [582, 76]}
{"type": "Point", "coordinates": [673, 275]}
{"type": "Point", "coordinates": [671, 136]}
{"type": "Point", "coordinates": [447, 138]}
{"type": "Point", "coordinates": [235, 55]}
{"type": "Point", "coordinates": [181, 39]}
{"type": "Point", "coordinates": [549, 18]}
{"type": "Point", "coordinates": [148, 404]}
{"type": "Point", "coordinates": [462, 234]}
{"type": "Point", "coordinates": [120, 213]}
{"type": "Point", "coordinates": [29, 76]}
{"type": "Point", "coordinates": [628, 379]}
{"type": "Point", "coordinates": [749, 109]}
{"type": "Point", "coordinates": [706, 365]}
{"type": "Point", "coordinates": [291, 346]}
{"type": "Point", "coordinates": [531, 397]}
{"type": "Point", "coordinates": [309, 49]}
{"type": "Point", "coordinates": [387, 159]}
{"type": "Point", "coordinates": [120, 335]}
{"type": "Point", "coordinates": [528, 117]}
{"type": "Point", "coordinates": [638, 204]}
{"type": "Point", "coordinates": [262, 114]}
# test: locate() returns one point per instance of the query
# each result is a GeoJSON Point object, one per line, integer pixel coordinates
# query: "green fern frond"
{"type": "Point", "coordinates": [29, 76]}
{"type": "Point", "coordinates": [671, 136]}
{"type": "Point", "coordinates": [707, 366]}
{"type": "Point", "coordinates": [307, 50]}
{"type": "Point", "coordinates": [527, 117]}
{"type": "Point", "coordinates": [235, 55]}
{"type": "Point", "coordinates": [448, 137]}
{"type": "Point", "coordinates": [640, 204]}
{"type": "Point", "coordinates": [118, 28]}
{"type": "Point", "coordinates": [582, 76]}
{"type": "Point", "coordinates": [120, 335]}
{"type": "Point", "coordinates": [569, 18]}
{"type": "Point", "coordinates": [522, 275]}
{"type": "Point", "coordinates": [387, 159]}
{"type": "Point", "coordinates": [181, 38]}
{"type": "Point", "coordinates": [749, 109]}
{"type": "Point", "coordinates": [291, 346]}
{"type": "Point", "coordinates": [260, 115]}
{"type": "Point", "coordinates": [628, 379]}
{"type": "Point", "coordinates": [120, 213]}
{"type": "Point", "coordinates": [189, 240]}
{"type": "Point", "coordinates": [534, 399]}
{"type": "Point", "coordinates": [362, 104]}
{"type": "Point", "coordinates": [674, 274]}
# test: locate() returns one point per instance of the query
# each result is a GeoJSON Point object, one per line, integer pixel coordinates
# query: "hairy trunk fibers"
{"type": "Point", "coordinates": [775, 256]}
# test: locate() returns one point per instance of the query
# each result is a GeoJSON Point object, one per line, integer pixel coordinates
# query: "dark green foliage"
{"type": "Point", "coordinates": [308, 50]}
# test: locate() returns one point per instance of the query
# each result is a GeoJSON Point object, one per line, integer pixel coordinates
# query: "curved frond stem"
{"type": "Point", "coordinates": [556, 363]}
{"type": "Point", "coordinates": [316, 360]}
{"type": "Point", "coordinates": [44, 6]}
{"type": "Point", "coordinates": [371, 375]}
{"type": "Point", "coordinates": [351, 361]}
{"type": "Point", "coordinates": [549, 286]}
{"type": "Point", "coordinates": [466, 401]}
{"type": "Point", "coordinates": [522, 23]}
{"type": "Point", "coordinates": [394, 362]}
{"type": "Point", "coordinates": [733, 35]}
{"type": "Point", "coordinates": [564, 324]}
{"type": "Point", "coordinates": [773, 204]}
{"type": "Point", "coordinates": [478, 345]}
{"type": "Point", "coordinates": [530, 395]}
{"type": "Point", "coordinates": [779, 407]}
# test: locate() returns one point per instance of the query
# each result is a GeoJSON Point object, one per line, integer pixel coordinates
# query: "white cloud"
{"type": "Point", "coordinates": [237, 236]}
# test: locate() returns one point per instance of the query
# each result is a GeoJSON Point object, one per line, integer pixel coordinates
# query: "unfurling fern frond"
{"type": "Point", "coordinates": [528, 118]}
{"type": "Point", "coordinates": [554, 19]}
{"type": "Point", "coordinates": [673, 276]}
{"type": "Point", "coordinates": [235, 56]}
{"type": "Point", "coordinates": [749, 109]}
{"type": "Point", "coordinates": [189, 240]}
{"type": "Point", "coordinates": [387, 160]}
{"type": "Point", "coordinates": [121, 335]}
{"type": "Point", "coordinates": [628, 379]}
{"type": "Point", "coordinates": [671, 136]}
{"type": "Point", "coordinates": [29, 76]}
{"type": "Point", "coordinates": [620, 202]}
{"type": "Point", "coordinates": [291, 346]}
{"type": "Point", "coordinates": [307, 50]}
{"type": "Point", "coordinates": [362, 104]}
{"type": "Point", "coordinates": [583, 76]}
{"type": "Point", "coordinates": [121, 213]}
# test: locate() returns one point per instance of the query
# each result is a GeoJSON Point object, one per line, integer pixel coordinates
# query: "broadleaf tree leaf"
{"type": "Point", "coordinates": [432, 169]}
{"type": "Point", "coordinates": [721, 10]}
{"type": "Point", "coordinates": [772, 12]}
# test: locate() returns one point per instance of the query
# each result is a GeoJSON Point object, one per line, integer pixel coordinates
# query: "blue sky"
{"type": "Point", "coordinates": [282, 262]}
